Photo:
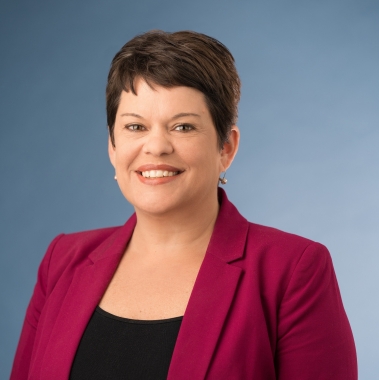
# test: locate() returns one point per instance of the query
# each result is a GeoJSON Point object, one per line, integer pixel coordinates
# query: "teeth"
{"type": "Point", "coordinates": [158, 173]}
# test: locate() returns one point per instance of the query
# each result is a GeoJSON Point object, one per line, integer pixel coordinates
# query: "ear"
{"type": "Point", "coordinates": [112, 152]}
{"type": "Point", "coordinates": [230, 148]}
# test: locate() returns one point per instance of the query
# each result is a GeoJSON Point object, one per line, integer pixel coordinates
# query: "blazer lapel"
{"type": "Point", "coordinates": [211, 297]}
{"type": "Point", "coordinates": [83, 295]}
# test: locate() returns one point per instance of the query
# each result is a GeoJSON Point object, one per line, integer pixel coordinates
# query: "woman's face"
{"type": "Point", "coordinates": [166, 154]}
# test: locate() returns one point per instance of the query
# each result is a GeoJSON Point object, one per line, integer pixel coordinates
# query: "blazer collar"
{"type": "Point", "coordinates": [229, 234]}
{"type": "Point", "coordinates": [115, 245]}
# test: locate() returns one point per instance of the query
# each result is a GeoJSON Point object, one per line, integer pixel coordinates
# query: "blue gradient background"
{"type": "Point", "coordinates": [308, 160]}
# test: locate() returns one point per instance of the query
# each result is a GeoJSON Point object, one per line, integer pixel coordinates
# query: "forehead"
{"type": "Point", "coordinates": [164, 100]}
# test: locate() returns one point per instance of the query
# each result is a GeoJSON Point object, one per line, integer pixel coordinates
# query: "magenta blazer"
{"type": "Point", "coordinates": [265, 306]}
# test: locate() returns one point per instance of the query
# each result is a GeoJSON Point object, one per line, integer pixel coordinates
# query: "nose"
{"type": "Point", "coordinates": [158, 142]}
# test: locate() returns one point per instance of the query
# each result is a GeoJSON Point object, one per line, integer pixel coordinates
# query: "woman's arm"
{"type": "Point", "coordinates": [25, 346]}
{"type": "Point", "coordinates": [314, 336]}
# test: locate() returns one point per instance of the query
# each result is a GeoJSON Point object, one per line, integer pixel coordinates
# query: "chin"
{"type": "Point", "coordinates": [155, 209]}
{"type": "Point", "coordinates": [161, 200]}
{"type": "Point", "coordinates": [154, 204]}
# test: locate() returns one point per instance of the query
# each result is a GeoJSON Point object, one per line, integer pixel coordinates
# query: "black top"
{"type": "Point", "coordinates": [120, 348]}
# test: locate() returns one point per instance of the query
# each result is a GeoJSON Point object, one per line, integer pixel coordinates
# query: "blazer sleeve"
{"type": "Point", "coordinates": [25, 346]}
{"type": "Point", "coordinates": [315, 340]}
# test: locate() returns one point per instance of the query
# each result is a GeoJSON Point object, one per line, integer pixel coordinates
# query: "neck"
{"type": "Point", "coordinates": [179, 232]}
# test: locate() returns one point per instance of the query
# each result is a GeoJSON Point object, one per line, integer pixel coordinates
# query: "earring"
{"type": "Point", "coordinates": [115, 177]}
{"type": "Point", "coordinates": [223, 180]}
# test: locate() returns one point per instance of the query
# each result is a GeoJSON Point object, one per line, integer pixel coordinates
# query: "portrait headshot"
{"type": "Point", "coordinates": [189, 190]}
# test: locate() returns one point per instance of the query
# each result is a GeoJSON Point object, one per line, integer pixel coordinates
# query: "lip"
{"type": "Point", "coordinates": [157, 180]}
{"type": "Point", "coordinates": [169, 168]}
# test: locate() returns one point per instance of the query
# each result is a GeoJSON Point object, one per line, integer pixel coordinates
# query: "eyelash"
{"type": "Point", "coordinates": [131, 127]}
{"type": "Point", "coordinates": [138, 127]}
{"type": "Point", "coordinates": [188, 126]}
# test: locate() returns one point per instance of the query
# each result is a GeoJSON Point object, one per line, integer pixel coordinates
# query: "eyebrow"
{"type": "Point", "coordinates": [177, 116]}
{"type": "Point", "coordinates": [132, 114]}
{"type": "Point", "coordinates": [183, 114]}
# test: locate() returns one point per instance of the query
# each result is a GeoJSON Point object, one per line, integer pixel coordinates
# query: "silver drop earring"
{"type": "Point", "coordinates": [115, 177]}
{"type": "Point", "coordinates": [223, 180]}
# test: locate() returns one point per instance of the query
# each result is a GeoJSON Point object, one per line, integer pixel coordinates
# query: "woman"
{"type": "Point", "coordinates": [187, 288]}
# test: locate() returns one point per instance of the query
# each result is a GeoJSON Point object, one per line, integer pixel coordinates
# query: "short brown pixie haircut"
{"type": "Point", "coordinates": [184, 58]}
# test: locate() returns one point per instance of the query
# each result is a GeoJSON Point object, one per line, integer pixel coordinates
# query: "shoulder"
{"type": "Point", "coordinates": [277, 258]}
{"type": "Point", "coordinates": [82, 241]}
{"type": "Point", "coordinates": [273, 238]}
{"type": "Point", "coordinates": [68, 252]}
{"type": "Point", "coordinates": [65, 255]}
{"type": "Point", "coordinates": [274, 245]}
{"type": "Point", "coordinates": [264, 246]}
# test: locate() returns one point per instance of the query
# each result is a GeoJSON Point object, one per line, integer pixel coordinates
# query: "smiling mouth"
{"type": "Point", "coordinates": [158, 173]}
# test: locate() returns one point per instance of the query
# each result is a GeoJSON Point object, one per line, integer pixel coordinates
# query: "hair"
{"type": "Point", "coordinates": [184, 58]}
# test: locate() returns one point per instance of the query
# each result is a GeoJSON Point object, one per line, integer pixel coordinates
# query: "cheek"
{"type": "Point", "coordinates": [204, 159]}
{"type": "Point", "coordinates": [125, 154]}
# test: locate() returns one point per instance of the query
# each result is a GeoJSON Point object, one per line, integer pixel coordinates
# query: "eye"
{"type": "Point", "coordinates": [184, 128]}
{"type": "Point", "coordinates": [135, 127]}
